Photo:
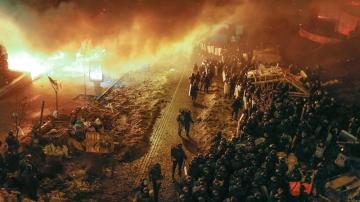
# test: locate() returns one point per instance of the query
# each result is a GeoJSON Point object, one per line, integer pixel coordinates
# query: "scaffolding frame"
{"type": "Point", "coordinates": [269, 77]}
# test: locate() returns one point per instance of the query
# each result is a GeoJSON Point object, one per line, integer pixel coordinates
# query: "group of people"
{"type": "Point", "coordinates": [285, 150]}
{"type": "Point", "coordinates": [17, 170]}
{"type": "Point", "coordinates": [147, 192]}
{"type": "Point", "coordinates": [178, 157]}
{"type": "Point", "coordinates": [20, 160]}
{"type": "Point", "coordinates": [201, 78]}
{"type": "Point", "coordinates": [184, 121]}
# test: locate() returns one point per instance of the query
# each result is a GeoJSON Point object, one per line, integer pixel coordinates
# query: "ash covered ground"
{"type": "Point", "coordinates": [132, 110]}
{"type": "Point", "coordinates": [72, 168]}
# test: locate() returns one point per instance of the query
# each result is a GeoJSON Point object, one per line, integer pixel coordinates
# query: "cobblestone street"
{"type": "Point", "coordinates": [128, 175]}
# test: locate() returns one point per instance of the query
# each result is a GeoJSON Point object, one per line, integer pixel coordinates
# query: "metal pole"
{"type": "Point", "coordinates": [85, 64]}
{"type": "Point", "coordinates": [85, 86]}
{"type": "Point", "coordinates": [17, 114]}
{"type": "Point", "coordinates": [57, 103]}
{"type": "Point", "coordinates": [42, 112]}
{"type": "Point", "coordinates": [16, 125]}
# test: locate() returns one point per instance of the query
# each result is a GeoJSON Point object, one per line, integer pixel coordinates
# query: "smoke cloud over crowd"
{"type": "Point", "coordinates": [131, 33]}
{"type": "Point", "coordinates": [55, 23]}
{"type": "Point", "coordinates": [128, 30]}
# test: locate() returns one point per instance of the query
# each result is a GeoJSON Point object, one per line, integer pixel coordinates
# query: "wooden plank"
{"type": "Point", "coordinates": [107, 91]}
{"type": "Point", "coordinates": [268, 81]}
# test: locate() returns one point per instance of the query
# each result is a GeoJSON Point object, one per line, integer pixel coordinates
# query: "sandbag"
{"type": "Point", "coordinates": [52, 150]}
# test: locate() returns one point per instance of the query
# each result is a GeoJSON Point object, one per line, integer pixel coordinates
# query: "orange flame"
{"type": "Point", "coordinates": [115, 54]}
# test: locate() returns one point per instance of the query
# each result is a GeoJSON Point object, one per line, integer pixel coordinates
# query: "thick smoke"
{"type": "Point", "coordinates": [130, 30]}
{"type": "Point", "coordinates": [52, 24]}
{"type": "Point", "coordinates": [136, 30]}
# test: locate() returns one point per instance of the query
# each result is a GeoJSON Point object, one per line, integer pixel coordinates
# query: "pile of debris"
{"type": "Point", "coordinates": [119, 123]}
{"type": "Point", "coordinates": [72, 150]}
{"type": "Point", "coordinates": [133, 112]}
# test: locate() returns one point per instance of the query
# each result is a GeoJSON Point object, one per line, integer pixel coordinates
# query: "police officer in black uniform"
{"type": "Point", "coordinates": [12, 142]}
{"type": "Point", "coordinates": [187, 122]}
{"type": "Point", "coordinates": [177, 156]}
{"type": "Point", "coordinates": [155, 177]}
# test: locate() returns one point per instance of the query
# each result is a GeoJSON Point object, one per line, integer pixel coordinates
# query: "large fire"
{"type": "Point", "coordinates": [80, 59]}
{"type": "Point", "coordinates": [87, 56]}
{"type": "Point", "coordinates": [40, 64]}
{"type": "Point", "coordinates": [69, 39]}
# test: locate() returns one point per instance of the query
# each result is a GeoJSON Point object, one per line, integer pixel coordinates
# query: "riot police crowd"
{"type": "Point", "coordinates": [284, 150]}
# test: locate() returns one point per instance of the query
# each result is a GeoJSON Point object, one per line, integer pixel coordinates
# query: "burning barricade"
{"type": "Point", "coordinates": [82, 131]}
{"type": "Point", "coordinates": [70, 152]}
